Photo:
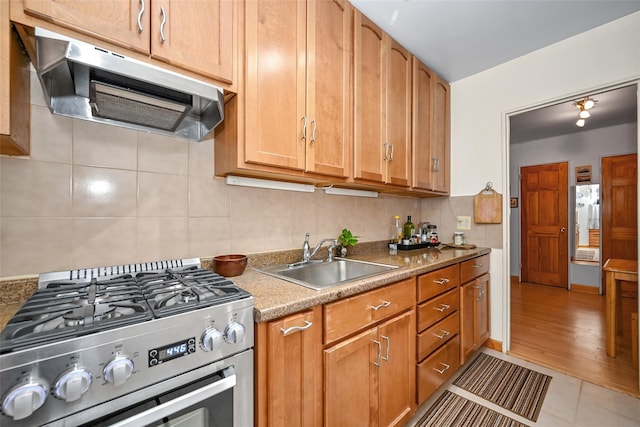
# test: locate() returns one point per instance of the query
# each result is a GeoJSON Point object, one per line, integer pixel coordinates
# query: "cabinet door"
{"type": "Point", "coordinates": [328, 136]}
{"type": "Point", "coordinates": [467, 321]}
{"type": "Point", "coordinates": [198, 35]}
{"type": "Point", "coordinates": [481, 310]}
{"type": "Point", "coordinates": [369, 103]}
{"type": "Point", "coordinates": [398, 114]}
{"type": "Point", "coordinates": [275, 83]}
{"type": "Point", "coordinates": [294, 394]}
{"type": "Point", "coordinates": [351, 381]}
{"type": "Point", "coordinates": [397, 370]}
{"type": "Point", "coordinates": [440, 140]}
{"type": "Point", "coordinates": [115, 20]}
{"type": "Point", "coordinates": [421, 126]}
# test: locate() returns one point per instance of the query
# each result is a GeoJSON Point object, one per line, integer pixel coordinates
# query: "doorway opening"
{"type": "Point", "coordinates": [563, 328]}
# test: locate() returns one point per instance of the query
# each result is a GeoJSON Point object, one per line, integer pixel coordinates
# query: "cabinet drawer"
{"type": "Point", "coordinates": [473, 268]}
{"type": "Point", "coordinates": [437, 369]}
{"type": "Point", "coordinates": [437, 335]}
{"type": "Point", "coordinates": [437, 309]}
{"type": "Point", "coordinates": [437, 282]}
{"type": "Point", "coordinates": [344, 317]}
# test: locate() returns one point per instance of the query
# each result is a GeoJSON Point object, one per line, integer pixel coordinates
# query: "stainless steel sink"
{"type": "Point", "coordinates": [325, 275]}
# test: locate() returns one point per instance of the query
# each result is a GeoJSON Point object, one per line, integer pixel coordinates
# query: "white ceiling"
{"type": "Point", "coordinates": [459, 38]}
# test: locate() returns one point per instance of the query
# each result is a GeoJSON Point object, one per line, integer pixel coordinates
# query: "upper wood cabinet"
{"type": "Point", "coordinates": [430, 130]}
{"type": "Point", "coordinates": [382, 106]}
{"type": "Point", "coordinates": [191, 34]}
{"type": "Point", "coordinates": [15, 93]}
{"type": "Point", "coordinates": [297, 91]}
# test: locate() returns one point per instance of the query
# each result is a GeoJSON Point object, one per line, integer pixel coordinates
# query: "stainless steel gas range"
{"type": "Point", "coordinates": [162, 343]}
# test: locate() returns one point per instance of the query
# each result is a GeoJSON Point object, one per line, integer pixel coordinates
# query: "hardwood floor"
{"type": "Point", "coordinates": [564, 330]}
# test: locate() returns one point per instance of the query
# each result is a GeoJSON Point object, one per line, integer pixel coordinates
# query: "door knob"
{"type": "Point", "coordinates": [562, 230]}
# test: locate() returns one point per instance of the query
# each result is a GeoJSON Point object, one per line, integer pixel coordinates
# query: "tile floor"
{"type": "Point", "coordinates": [569, 402]}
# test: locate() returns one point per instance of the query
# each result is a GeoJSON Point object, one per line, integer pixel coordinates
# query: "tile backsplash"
{"type": "Point", "coordinates": [96, 195]}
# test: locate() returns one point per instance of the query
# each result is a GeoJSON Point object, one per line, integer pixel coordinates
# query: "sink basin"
{"type": "Point", "coordinates": [325, 275]}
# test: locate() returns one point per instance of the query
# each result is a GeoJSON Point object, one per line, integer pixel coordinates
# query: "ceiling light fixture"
{"type": "Point", "coordinates": [583, 105]}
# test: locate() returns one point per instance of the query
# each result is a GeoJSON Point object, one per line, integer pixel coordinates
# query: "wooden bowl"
{"type": "Point", "coordinates": [229, 265]}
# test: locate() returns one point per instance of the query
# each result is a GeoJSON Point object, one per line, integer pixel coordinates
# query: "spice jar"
{"type": "Point", "coordinates": [458, 238]}
{"type": "Point", "coordinates": [433, 233]}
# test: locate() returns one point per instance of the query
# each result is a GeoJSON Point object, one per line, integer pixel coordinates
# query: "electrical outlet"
{"type": "Point", "coordinates": [464, 223]}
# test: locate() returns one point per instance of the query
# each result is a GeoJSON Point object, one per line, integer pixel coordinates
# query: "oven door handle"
{"type": "Point", "coordinates": [180, 403]}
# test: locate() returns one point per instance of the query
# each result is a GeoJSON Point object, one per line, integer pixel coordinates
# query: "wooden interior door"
{"type": "Point", "coordinates": [619, 206]}
{"type": "Point", "coordinates": [544, 223]}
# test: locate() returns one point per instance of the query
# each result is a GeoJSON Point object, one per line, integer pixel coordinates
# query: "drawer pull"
{"type": "Point", "coordinates": [478, 265]}
{"type": "Point", "coordinates": [442, 307]}
{"type": "Point", "coordinates": [377, 363]}
{"type": "Point", "coordinates": [388, 345]}
{"type": "Point", "coordinates": [443, 370]}
{"type": "Point", "coordinates": [383, 305]}
{"type": "Point", "coordinates": [442, 335]}
{"type": "Point", "coordinates": [296, 328]}
{"type": "Point", "coordinates": [442, 281]}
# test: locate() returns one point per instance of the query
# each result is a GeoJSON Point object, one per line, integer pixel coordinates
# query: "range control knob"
{"type": "Point", "coordinates": [118, 370]}
{"type": "Point", "coordinates": [211, 339]}
{"type": "Point", "coordinates": [234, 333]}
{"type": "Point", "coordinates": [71, 385]}
{"type": "Point", "coordinates": [24, 399]}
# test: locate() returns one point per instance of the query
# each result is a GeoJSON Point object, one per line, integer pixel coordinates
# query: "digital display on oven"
{"type": "Point", "coordinates": [171, 351]}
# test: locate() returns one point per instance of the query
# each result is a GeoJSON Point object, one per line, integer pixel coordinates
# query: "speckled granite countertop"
{"type": "Point", "coordinates": [274, 297]}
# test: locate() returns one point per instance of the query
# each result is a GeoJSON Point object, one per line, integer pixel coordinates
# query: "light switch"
{"type": "Point", "coordinates": [464, 223]}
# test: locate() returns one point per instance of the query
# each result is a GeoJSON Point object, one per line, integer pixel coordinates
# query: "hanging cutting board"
{"type": "Point", "coordinates": [487, 206]}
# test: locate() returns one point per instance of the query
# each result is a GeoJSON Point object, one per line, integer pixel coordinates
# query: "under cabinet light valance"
{"type": "Point", "coordinates": [265, 183]}
{"type": "Point", "coordinates": [349, 192]}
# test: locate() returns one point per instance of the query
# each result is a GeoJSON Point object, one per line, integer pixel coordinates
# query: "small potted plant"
{"type": "Point", "coordinates": [345, 239]}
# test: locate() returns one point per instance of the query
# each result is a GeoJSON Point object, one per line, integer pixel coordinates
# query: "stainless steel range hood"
{"type": "Point", "coordinates": [87, 82]}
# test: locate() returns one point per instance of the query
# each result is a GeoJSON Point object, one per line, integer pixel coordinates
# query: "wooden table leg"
{"type": "Point", "coordinates": [611, 317]}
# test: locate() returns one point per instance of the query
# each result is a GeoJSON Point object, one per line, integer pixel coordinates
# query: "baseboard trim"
{"type": "Point", "coordinates": [585, 289]}
{"type": "Point", "coordinates": [493, 344]}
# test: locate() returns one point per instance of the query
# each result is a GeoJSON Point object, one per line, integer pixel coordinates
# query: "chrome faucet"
{"type": "Point", "coordinates": [307, 253]}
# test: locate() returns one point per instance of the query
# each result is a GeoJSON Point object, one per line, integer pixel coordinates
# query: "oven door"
{"type": "Point", "coordinates": [221, 399]}
{"type": "Point", "coordinates": [205, 403]}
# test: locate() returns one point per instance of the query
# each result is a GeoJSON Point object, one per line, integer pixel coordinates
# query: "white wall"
{"type": "Point", "coordinates": [604, 56]}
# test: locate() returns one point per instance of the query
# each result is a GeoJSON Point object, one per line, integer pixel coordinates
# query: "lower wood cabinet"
{"type": "Point", "coordinates": [474, 320]}
{"type": "Point", "coordinates": [438, 368]}
{"type": "Point", "coordinates": [288, 368]}
{"type": "Point", "coordinates": [369, 377]}
{"type": "Point", "coordinates": [474, 305]}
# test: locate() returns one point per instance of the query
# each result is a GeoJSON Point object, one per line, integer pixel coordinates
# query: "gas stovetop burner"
{"type": "Point", "coordinates": [82, 302]}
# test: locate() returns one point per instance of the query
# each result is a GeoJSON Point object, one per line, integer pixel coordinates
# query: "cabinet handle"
{"type": "Point", "coordinates": [443, 334]}
{"type": "Point", "coordinates": [142, 8]}
{"type": "Point", "coordinates": [443, 370]}
{"type": "Point", "coordinates": [388, 345]}
{"type": "Point", "coordinates": [386, 151]}
{"type": "Point", "coordinates": [436, 164]}
{"type": "Point", "coordinates": [296, 328]}
{"type": "Point", "coordinates": [162, 24]}
{"type": "Point", "coordinates": [313, 132]}
{"type": "Point", "coordinates": [379, 352]}
{"type": "Point", "coordinates": [383, 305]}
{"type": "Point", "coordinates": [478, 265]}
{"type": "Point", "coordinates": [442, 308]}
{"type": "Point", "coordinates": [442, 281]}
{"type": "Point", "coordinates": [391, 158]}
{"type": "Point", "coordinates": [304, 127]}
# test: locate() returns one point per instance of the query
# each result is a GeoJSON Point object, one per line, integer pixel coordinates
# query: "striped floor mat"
{"type": "Point", "coordinates": [510, 386]}
{"type": "Point", "coordinates": [451, 410]}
